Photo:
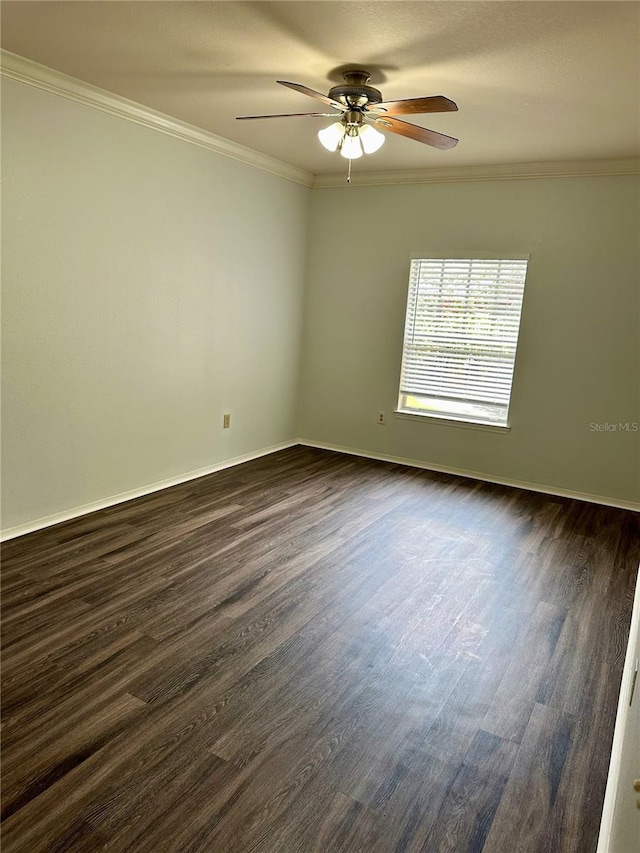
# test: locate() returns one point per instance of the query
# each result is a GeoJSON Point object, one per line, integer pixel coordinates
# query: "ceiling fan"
{"type": "Point", "coordinates": [361, 110]}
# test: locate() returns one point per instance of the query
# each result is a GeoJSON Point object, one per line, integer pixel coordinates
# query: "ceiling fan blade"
{"type": "Point", "coordinates": [412, 131]}
{"type": "Point", "coordinates": [435, 104]}
{"type": "Point", "coordinates": [304, 90]}
{"type": "Point", "coordinates": [290, 115]}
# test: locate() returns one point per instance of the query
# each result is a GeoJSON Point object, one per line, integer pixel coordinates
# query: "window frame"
{"type": "Point", "coordinates": [465, 420]}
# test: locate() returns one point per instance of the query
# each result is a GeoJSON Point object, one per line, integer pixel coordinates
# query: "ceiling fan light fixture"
{"type": "Point", "coordinates": [351, 147]}
{"type": "Point", "coordinates": [372, 140]}
{"type": "Point", "coordinates": [331, 136]}
{"type": "Point", "coordinates": [360, 107]}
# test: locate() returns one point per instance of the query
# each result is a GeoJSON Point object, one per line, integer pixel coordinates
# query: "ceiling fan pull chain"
{"type": "Point", "coordinates": [349, 172]}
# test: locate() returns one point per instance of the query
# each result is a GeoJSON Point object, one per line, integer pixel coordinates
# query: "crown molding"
{"type": "Point", "coordinates": [32, 73]}
{"type": "Point", "coordinates": [519, 171]}
{"type": "Point", "coordinates": [55, 82]}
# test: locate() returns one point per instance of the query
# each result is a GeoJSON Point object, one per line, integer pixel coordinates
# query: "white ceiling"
{"type": "Point", "coordinates": [534, 81]}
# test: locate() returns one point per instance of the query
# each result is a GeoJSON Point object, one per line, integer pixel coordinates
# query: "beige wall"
{"type": "Point", "coordinates": [148, 286]}
{"type": "Point", "coordinates": [577, 361]}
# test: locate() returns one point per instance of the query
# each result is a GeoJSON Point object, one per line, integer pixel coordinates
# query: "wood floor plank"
{"type": "Point", "coordinates": [513, 703]}
{"type": "Point", "coordinates": [324, 820]}
{"type": "Point", "coordinates": [315, 652]}
{"type": "Point", "coordinates": [526, 808]}
{"type": "Point", "coordinates": [424, 778]}
{"type": "Point", "coordinates": [466, 815]}
{"type": "Point", "coordinates": [74, 680]}
{"type": "Point", "coordinates": [465, 710]}
{"type": "Point", "coordinates": [37, 762]}
{"type": "Point", "coordinates": [374, 766]}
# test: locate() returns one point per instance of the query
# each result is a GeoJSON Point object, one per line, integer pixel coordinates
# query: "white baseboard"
{"type": "Point", "coordinates": [619, 745]}
{"type": "Point", "coordinates": [476, 475]}
{"type": "Point", "coordinates": [85, 509]}
{"type": "Point", "coordinates": [76, 512]}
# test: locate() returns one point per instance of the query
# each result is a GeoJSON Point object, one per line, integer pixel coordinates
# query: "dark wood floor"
{"type": "Point", "coordinates": [315, 652]}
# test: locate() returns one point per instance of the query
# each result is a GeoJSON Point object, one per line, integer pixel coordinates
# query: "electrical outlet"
{"type": "Point", "coordinates": [226, 421]}
{"type": "Point", "coordinates": [381, 418]}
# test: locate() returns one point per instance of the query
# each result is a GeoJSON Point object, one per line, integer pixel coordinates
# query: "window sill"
{"type": "Point", "coordinates": [450, 421]}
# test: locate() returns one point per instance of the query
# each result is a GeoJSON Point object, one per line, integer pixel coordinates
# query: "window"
{"type": "Point", "coordinates": [460, 338]}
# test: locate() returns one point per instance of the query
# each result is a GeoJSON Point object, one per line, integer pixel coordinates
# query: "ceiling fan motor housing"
{"type": "Point", "coordinates": [355, 92]}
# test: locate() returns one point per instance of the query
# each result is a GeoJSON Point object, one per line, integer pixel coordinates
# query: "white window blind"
{"type": "Point", "coordinates": [461, 332]}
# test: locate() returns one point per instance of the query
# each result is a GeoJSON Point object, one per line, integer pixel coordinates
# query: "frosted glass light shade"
{"type": "Point", "coordinates": [351, 147]}
{"type": "Point", "coordinates": [331, 136]}
{"type": "Point", "coordinates": [371, 139]}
